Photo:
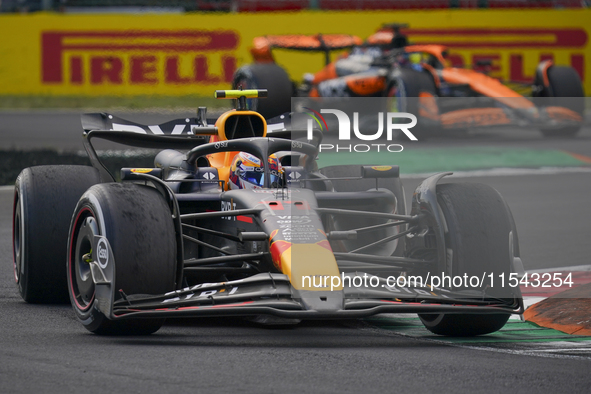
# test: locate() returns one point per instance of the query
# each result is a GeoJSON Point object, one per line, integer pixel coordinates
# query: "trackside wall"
{"type": "Point", "coordinates": [65, 54]}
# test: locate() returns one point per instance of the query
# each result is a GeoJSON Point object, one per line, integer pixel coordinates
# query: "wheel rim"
{"type": "Point", "coordinates": [81, 253]}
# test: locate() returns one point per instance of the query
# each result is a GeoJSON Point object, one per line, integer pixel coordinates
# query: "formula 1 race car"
{"type": "Point", "coordinates": [419, 81]}
{"type": "Point", "coordinates": [235, 219]}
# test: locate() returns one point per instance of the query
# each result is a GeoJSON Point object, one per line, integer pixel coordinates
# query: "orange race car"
{"type": "Point", "coordinates": [418, 80]}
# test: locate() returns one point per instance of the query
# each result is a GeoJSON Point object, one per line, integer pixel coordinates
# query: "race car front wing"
{"type": "Point", "coordinates": [273, 294]}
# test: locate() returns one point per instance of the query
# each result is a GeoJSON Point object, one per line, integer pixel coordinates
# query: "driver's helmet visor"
{"type": "Point", "coordinates": [250, 174]}
{"type": "Point", "coordinates": [256, 176]}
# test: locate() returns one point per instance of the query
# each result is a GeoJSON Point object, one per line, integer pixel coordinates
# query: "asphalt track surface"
{"type": "Point", "coordinates": [44, 349]}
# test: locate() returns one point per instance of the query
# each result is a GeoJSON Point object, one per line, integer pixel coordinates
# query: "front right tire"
{"type": "Point", "coordinates": [479, 238]}
{"type": "Point", "coordinates": [415, 92]}
{"type": "Point", "coordinates": [565, 90]}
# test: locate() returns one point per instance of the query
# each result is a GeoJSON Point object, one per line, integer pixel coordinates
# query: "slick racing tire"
{"type": "Point", "coordinates": [565, 84]}
{"type": "Point", "coordinates": [407, 87]}
{"type": "Point", "coordinates": [268, 76]}
{"type": "Point", "coordinates": [44, 200]}
{"type": "Point", "coordinates": [414, 92]}
{"type": "Point", "coordinates": [136, 222]}
{"type": "Point", "coordinates": [392, 184]}
{"type": "Point", "coordinates": [479, 239]}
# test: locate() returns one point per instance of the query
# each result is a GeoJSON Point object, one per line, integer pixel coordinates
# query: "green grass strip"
{"type": "Point", "coordinates": [420, 160]}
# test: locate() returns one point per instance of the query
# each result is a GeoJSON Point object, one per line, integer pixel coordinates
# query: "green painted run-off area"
{"type": "Point", "coordinates": [512, 332]}
{"type": "Point", "coordinates": [425, 160]}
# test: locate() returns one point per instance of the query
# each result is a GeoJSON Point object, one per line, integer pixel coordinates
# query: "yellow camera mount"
{"type": "Point", "coordinates": [241, 96]}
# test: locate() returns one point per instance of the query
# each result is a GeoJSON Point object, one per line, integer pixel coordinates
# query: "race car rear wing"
{"type": "Point", "coordinates": [105, 121]}
{"type": "Point", "coordinates": [262, 46]}
{"type": "Point", "coordinates": [179, 134]}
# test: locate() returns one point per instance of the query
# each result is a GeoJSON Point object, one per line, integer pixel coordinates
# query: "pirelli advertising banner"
{"type": "Point", "coordinates": [170, 54]}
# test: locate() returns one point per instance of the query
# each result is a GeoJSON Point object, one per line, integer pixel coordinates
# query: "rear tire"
{"type": "Point", "coordinates": [268, 76]}
{"type": "Point", "coordinates": [478, 230]}
{"type": "Point", "coordinates": [137, 223]}
{"type": "Point", "coordinates": [44, 200]}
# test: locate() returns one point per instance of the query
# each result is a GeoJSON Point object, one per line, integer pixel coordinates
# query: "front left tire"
{"type": "Point", "coordinates": [136, 222]}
